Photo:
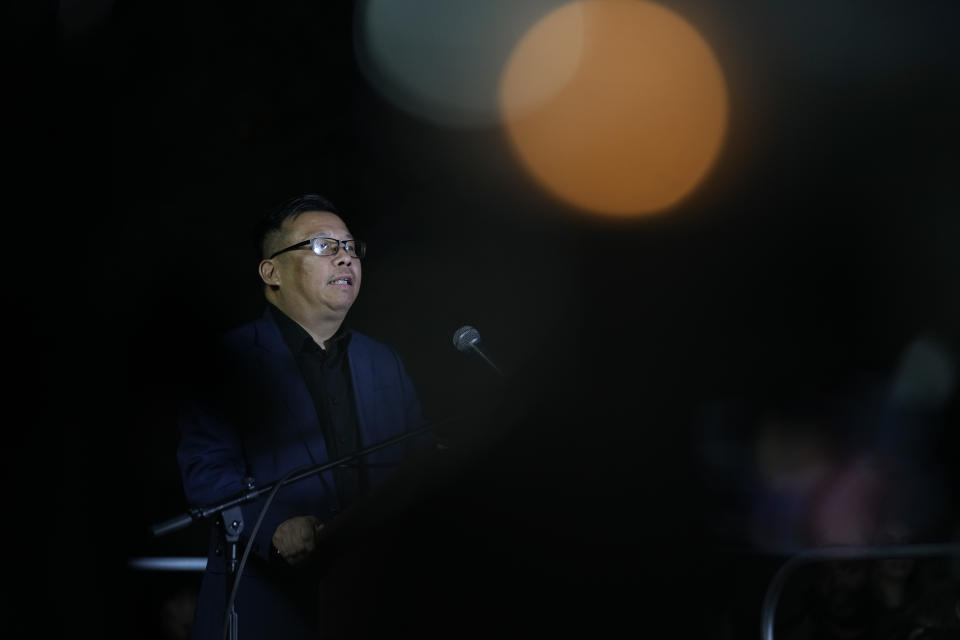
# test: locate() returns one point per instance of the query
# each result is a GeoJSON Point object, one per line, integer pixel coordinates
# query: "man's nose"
{"type": "Point", "coordinates": [342, 257]}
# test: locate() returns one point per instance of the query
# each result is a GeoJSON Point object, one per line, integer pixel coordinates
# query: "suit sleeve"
{"type": "Point", "coordinates": [212, 461]}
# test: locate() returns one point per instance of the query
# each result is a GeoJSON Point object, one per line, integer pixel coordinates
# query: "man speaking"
{"type": "Point", "coordinates": [291, 389]}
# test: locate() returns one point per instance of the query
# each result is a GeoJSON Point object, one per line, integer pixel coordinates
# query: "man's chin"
{"type": "Point", "coordinates": [340, 306]}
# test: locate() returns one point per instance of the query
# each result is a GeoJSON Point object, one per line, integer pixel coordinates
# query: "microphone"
{"type": "Point", "coordinates": [467, 339]}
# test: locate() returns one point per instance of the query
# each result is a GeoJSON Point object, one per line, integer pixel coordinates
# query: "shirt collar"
{"type": "Point", "coordinates": [297, 337]}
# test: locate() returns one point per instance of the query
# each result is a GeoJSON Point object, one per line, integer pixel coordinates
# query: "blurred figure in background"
{"type": "Point", "coordinates": [862, 464]}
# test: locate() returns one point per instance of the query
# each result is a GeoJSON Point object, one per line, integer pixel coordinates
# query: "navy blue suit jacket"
{"type": "Point", "coordinates": [254, 418]}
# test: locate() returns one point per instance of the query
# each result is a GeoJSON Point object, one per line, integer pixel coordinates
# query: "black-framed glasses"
{"type": "Point", "coordinates": [328, 247]}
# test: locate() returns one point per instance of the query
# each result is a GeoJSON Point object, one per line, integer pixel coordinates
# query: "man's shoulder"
{"type": "Point", "coordinates": [247, 337]}
{"type": "Point", "coordinates": [254, 329]}
{"type": "Point", "coordinates": [241, 334]}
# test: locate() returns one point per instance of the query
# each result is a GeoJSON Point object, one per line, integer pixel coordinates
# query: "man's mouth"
{"type": "Point", "coordinates": [344, 280]}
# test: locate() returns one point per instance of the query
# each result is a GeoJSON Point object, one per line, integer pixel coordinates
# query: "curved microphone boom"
{"type": "Point", "coordinates": [467, 340]}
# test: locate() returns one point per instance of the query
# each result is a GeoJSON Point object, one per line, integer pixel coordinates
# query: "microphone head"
{"type": "Point", "coordinates": [465, 337]}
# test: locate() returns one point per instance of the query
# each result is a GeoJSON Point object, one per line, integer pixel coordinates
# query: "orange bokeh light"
{"type": "Point", "coordinates": [640, 117]}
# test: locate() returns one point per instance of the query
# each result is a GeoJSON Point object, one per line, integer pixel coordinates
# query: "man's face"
{"type": "Point", "coordinates": [317, 283]}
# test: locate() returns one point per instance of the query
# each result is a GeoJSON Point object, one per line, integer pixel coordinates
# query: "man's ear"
{"type": "Point", "coordinates": [269, 273]}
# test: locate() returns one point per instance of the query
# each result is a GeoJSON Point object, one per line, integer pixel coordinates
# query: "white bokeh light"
{"type": "Point", "coordinates": [442, 60]}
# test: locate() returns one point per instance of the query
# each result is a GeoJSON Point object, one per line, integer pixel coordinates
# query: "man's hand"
{"type": "Point", "coordinates": [296, 538]}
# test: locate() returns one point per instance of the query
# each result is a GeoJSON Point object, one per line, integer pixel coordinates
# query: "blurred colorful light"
{"type": "Point", "coordinates": [636, 125]}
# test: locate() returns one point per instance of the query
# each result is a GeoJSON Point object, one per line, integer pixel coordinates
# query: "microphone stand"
{"type": "Point", "coordinates": [232, 526]}
{"type": "Point", "coordinates": [229, 512]}
{"type": "Point", "coordinates": [252, 493]}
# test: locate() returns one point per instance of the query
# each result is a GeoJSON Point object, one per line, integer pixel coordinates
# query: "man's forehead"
{"type": "Point", "coordinates": [317, 222]}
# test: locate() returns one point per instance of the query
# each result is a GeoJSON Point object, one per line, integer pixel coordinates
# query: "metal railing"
{"type": "Point", "coordinates": [171, 563]}
{"type": "Point", "coordinates": [775, 588]}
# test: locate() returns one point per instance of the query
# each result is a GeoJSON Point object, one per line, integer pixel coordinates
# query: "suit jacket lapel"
{"type": "Point", "coordinates": [373, 430]}
{"type": "Point", "coordinates": [361, 377]}
{"type": "Point", "coordinates": [288, 385]}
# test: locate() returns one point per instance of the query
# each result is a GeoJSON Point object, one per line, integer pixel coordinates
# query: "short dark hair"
{"type": "Point", "coordinates": [273, 220]}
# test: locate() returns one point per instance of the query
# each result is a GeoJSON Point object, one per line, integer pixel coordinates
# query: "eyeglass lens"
{"type": "Point", "coordinates": [330, 246]}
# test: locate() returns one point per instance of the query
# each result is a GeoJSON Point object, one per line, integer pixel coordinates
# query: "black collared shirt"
{"type": "Point", "coordinates": [327, 374]}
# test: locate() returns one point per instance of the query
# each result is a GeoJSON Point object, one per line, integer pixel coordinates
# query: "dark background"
{"type": "Point", "coordinates": [144, 138]}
